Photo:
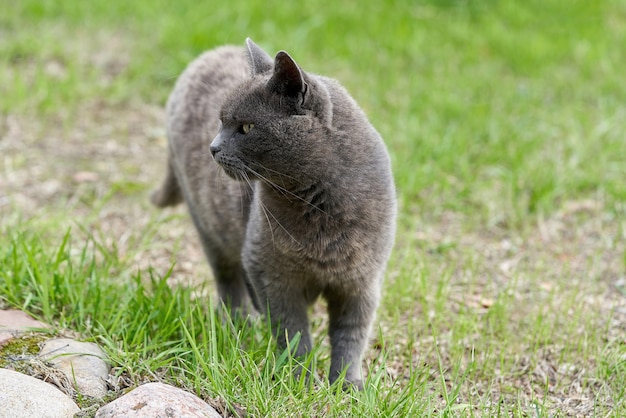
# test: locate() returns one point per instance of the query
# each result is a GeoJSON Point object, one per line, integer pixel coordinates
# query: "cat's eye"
{"type": "Point", "coordinates": [246, 127]}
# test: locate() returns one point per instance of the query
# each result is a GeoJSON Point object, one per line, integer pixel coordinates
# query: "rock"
{"type": "Point", "coordinates": [22, 396]}
{"type": "Point", "coordinates": [157, 400]}
{"type": "Point", "coordinates": [14, 322]}
{"type": "Point", "coordinates": [86, 177]}
{"type": "Point", "coordinates": [83, 363]}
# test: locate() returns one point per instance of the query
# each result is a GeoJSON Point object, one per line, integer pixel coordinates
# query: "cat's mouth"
{"type": "Point", "coordinates": [232, 166]}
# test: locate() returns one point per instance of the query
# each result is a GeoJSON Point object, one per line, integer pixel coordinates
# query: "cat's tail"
{"type": "Point", "coordinates": [169, 194]}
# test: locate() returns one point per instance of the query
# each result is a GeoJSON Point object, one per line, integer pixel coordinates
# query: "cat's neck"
{"type": "Point", "coordinates": [311, 199]}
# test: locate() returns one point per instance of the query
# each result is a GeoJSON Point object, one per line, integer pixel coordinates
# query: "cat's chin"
{"type": "Point", "coordinates": [232, 167]}
{"type": "Point", "coordinates": [235, 173]}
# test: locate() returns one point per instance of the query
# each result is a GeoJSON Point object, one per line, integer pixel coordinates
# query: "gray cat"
{"type": "Point", "coordinates": [307, 206]}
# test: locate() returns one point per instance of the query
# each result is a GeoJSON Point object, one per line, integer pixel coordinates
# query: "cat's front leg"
{"type": "Point", "coordinates": [351, 317]}
{"type": "Point", "coordinates": [288, 314]}
{"type": "Point", "coordinates": [281, 300]}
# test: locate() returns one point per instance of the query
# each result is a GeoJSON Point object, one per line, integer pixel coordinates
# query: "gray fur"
{"type": "Point", "coordinates": [308, 205]}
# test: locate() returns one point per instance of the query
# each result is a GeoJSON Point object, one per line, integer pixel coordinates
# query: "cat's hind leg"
{"type": "Point", "coordinates": [232, 288]}
{"type": "Point", "coordinates": [169, 194]}
{"type": "Point", "coordinates": [229, 275]}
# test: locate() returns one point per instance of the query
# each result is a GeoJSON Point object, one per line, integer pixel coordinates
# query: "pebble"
{"type": "Point", "coordinates": [157, 400]}
{"type": "Point", "coordinates": [22, 396]}
{"type": "Point", "coordinates": [86, 366]}
{"type": "Point", "coordinates": [82, 363]}
{"type": "Point", "coordinates": [14, 322]}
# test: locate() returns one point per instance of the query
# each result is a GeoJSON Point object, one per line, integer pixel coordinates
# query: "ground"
{"type": "Point", "coordinates": [566, 272]}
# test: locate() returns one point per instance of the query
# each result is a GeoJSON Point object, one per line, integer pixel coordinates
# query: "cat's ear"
{"type": "Point", "coordinates": [288, 79]}
{"type": "Point", "coordinates": [260, 61]}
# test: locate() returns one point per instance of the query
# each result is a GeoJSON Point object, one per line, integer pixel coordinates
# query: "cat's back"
{"type": "Point", "coordinates": [200, 91]}
{"type": "Point", "coordinates": [193, 118]}
{"type": "Point", "coordinates": [218, 205]}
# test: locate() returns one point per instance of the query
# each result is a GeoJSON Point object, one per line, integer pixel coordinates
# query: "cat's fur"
{"type": "Point", "coordinates": [308, 207]}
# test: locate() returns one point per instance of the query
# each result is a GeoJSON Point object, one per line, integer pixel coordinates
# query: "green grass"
{"type": "Point", "coordinates": [149, 328]}
{"type": "Point", "coordinates": [505, 122]}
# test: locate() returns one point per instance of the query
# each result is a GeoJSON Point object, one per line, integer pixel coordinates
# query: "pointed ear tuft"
{"type": "Point", "coordinates": [260, 61]}
{"type": "Point", "coordinates": [288, 79]}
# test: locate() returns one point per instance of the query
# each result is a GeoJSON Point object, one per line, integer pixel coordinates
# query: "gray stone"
{"type": "Point", "coordinates": [14, 322]}
{"type": "Point", "coordinates": [22, 396]}
{"type": "Point", "coordinates": [83, 363]}
{"type": "Point", "coordinates": [157, 400]}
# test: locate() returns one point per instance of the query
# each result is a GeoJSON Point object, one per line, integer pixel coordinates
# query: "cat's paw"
{"type": "Point", "coordinates": [348, 384]}
{"type": "Point", "coordinates": [352, 385]}
{"type": "Point", "coordinates": [161, 198]}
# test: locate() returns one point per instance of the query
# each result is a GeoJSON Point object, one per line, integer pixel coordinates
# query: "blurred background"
{"type": "Point", "coordinates": [504, 107]}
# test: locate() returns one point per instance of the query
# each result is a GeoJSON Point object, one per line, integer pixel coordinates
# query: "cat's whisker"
{"type": "Point", "coordinates": [284, 190]}
{"type": "Point", "coordinates": [245, 188]}
{"type": "Point", "coordinates": [242, 190]}
{"type": "Point", "coordinates": [222, 177]}
{"type": "Point", "coordinates": [281, 175]}
{"type": "Point", "coordinates": [276, 172]}
{"type": "Point", "coordinates": [174, 77]}
{"type": "Point", "coordinates": [264, 209]}
{"type": "Point", "coordinates": [269, 223]}
{"type": "Point", "coordinates": [266, 212]}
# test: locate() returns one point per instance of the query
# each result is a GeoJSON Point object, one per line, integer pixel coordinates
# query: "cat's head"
{"type": "Point", "coordinates": [273, 126]}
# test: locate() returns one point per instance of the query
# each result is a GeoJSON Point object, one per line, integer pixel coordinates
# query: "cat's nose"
{"type": "Point", "coordinates": [214, 149]}
{"type": "Point", "coordinates": [216, 145]}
